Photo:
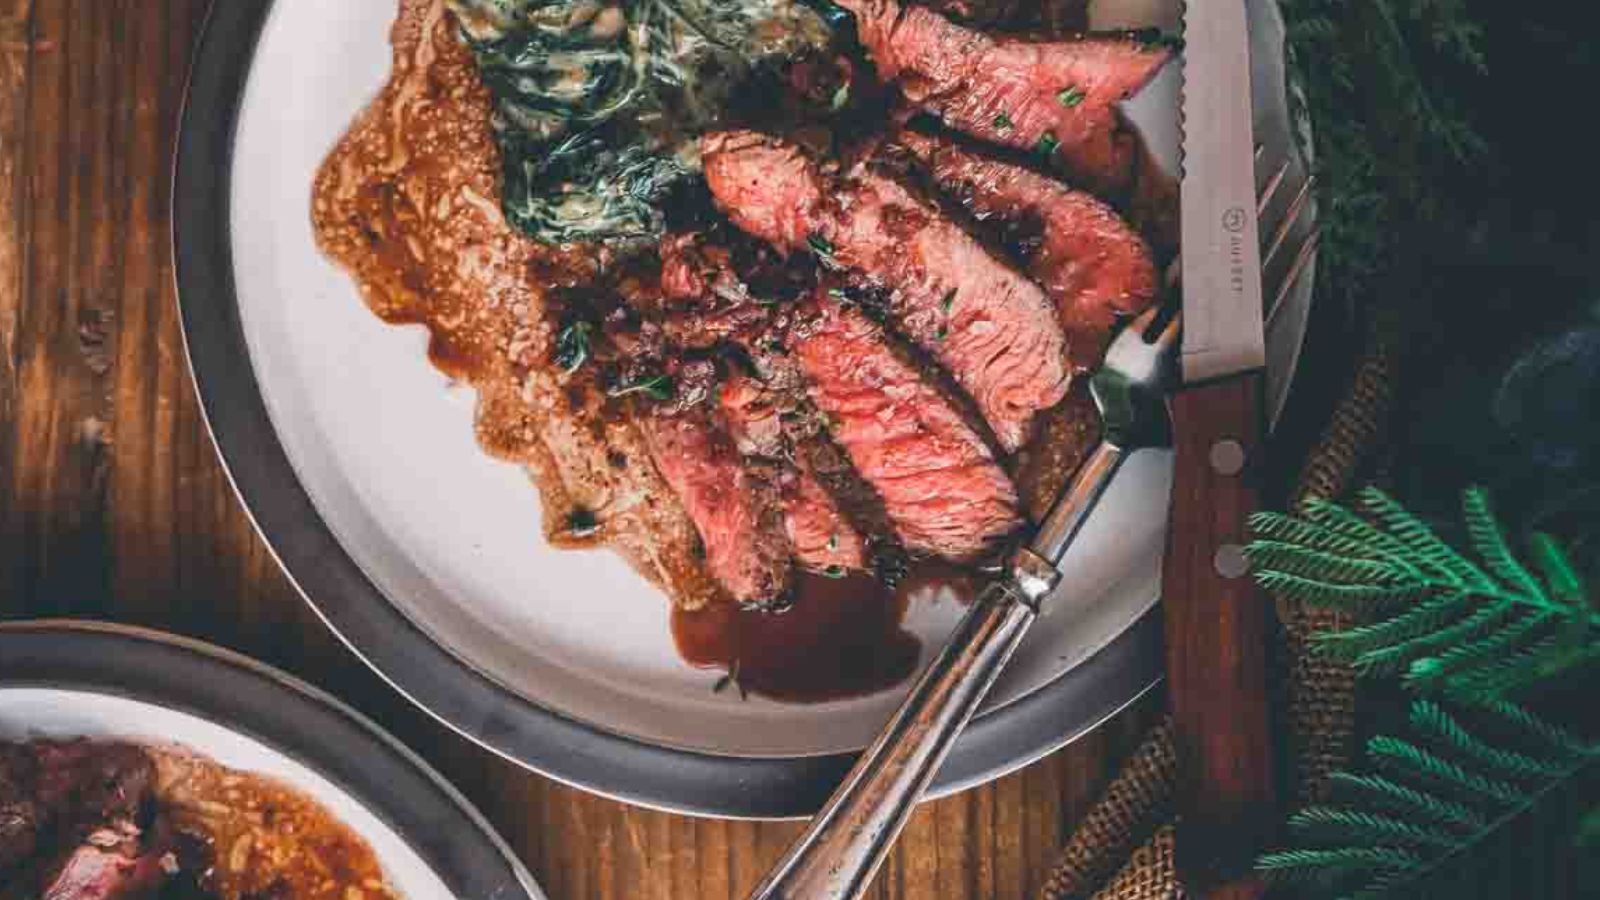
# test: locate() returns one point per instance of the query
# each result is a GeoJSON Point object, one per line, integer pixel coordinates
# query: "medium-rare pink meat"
{"type": "Point", "coordinates": [822, 538]}
{"type": "Point", "coordinates": [733, 505]}
{"type": "Point", "coordinates": [1091, 263]}
{"type": "Point", "coordinates": [939, 481]}
{"type": "Point", "coordinates": [1057, 98]}
{"type": "Point", "coordinates": [93, 873]}
{"type": "Point", "coordinates": [990, 327]}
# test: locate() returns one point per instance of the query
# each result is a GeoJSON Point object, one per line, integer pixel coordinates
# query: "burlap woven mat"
{"type": "Point", "coordinates": [1123, 849]}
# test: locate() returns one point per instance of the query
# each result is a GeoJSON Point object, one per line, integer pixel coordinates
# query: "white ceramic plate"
{"type": "Point", "coordinates": [358, 460]}
{"type": "Point", "coordinates": [66, 681]}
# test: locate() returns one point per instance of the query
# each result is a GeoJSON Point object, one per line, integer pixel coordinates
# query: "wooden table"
{"type": "Point", "coordinates": [113, 505]}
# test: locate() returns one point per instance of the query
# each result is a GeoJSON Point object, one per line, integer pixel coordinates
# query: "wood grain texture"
{"type": "Point", "coordinates": [113, 505]}
{"type": "Point", "coordinates": [1217, 663]}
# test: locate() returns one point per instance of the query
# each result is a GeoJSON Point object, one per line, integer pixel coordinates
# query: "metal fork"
{"type": "Point", "coordinates": [848, 839]}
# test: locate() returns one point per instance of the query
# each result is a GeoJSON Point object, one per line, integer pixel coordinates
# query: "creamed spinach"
{"type": "Point", "coordinates": [599, 103]}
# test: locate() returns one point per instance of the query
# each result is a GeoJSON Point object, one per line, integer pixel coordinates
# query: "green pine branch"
{"type": "Point", "coordinates": [1473, 628]}
{"type": "Point", "coordinates": [1429, 804]}
{"type": "Point", "coordinates": [1460, 629]}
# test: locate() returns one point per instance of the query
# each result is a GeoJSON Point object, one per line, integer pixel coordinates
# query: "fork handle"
{"type": "Point", "coordinates": [837, 855]}
{"type": "Point", "coordinates": [1217, 625]}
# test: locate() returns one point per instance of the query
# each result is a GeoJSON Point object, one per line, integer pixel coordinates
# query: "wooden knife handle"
{"type": "Point", "coordinates": [1217, 625]}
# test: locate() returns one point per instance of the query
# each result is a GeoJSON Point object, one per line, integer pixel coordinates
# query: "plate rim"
{"type": "Point", "coordinates": [285, 713]}
{"type": "Point", "coordinates": [429, 675]}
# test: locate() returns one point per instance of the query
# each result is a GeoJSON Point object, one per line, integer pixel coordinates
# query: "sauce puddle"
{"type": "Point", "coordinates": [842, 638]}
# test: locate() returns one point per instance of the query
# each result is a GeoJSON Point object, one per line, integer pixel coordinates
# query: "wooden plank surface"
{"type": "Point", "coordinates": [113, 505]}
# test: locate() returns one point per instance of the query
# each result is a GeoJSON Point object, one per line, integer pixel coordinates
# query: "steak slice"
{"type": "Point", "coordinates": [93, 873]}
{"type": "Point", "coordinates": [821, 536]}
{"type": "Point", "coordinates": [1090, 262]}
{"type": "Point", "coordinates": [1057, 97]}
{"type": "Point", "coordinates": [20, 814]}
{"type": "Point", "coordinates": [734, 504]}
{"type": "Point", "coordinates": [939, 481]}
{"type": "Point", "coordinates": [988, 326]}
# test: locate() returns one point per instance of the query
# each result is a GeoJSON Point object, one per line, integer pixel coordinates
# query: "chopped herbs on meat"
{"type": "Point", "coordinates": [572, 347]}
{"type": "Point", "coordinates": [658, 387]}
{"type": "Point", "coordinates": [1047, 144]}
{"type": "Point", "coordinates": [598, 106]}
{"type": "Point", "coordinates": [949, 300]}
{"type": "Point", "coordinates": [834, 572]}
{"type": "Point", "coordinates": [1070, 96]}
{"type": "Point", "coordinates": [841, 97]}
{"type": "Point", "coordinates": [731, 680]}
{"type": "Point", "coordinates": [820, 246]}
{"type": "Point", "coordinates": [1003, 121]}
{"type": "Point", "coordinates": [582, 523]}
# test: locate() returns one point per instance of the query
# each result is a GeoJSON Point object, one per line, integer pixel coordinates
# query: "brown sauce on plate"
{"type": "Point", "coordinates": [842, 637]}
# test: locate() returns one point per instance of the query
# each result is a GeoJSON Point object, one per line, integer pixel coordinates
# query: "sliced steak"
{"type": "Point", "coordinates": [939, 482]}
{"type": "Point", "coordinates": [822, 538]}
{"type": "Point", "coordinates": [734, 506]}
{"type": "Point", "coordinates": [20, 815]}
{"type": "Point", "coordinates": [1058, 98]}
{"type": "Point", "coordinates": [988, 326]}
{"type": "Point", "coordinates": [95, 873]}
{"type": "Point", "coordinates": [1090, 262]}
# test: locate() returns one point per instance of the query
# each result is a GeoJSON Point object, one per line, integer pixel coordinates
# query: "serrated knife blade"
{"type": "Point", "coordinates": [1223, 331]}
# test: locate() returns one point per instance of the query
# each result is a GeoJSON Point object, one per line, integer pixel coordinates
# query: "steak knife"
{"type": "Point", "coordinates": [1216, 621]}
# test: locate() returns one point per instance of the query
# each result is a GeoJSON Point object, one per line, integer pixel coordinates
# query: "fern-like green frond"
{"type": "Point", "coordinates": [1519, 720]}
{"type": "Point", "coordinates": [1438, 727]}
{"type": "Point", "coordinates": [1314, 535]}
{"type": "Point", "coordinates": [1403, 759]}
{"type": "Point", "coordinates": [1358, 597]}
{"type": "Point", "coordinates": [1565, 583]}
{"type": "Point", "coordinates": [1297, 559]}
{"type": "Point", "coordinates": [1488, 652]}
{"type": "Point", "coordinates": [1327, 822]}
{"type": "Point", "coordinates": [1422, 542]}
{"type": "Point", "coordinates": [1450, 625]}
{"type": "Point", "coordinates": [1314, 864]}
{"type": "Point", "coordinates": [1397, 656]}
{"type": "Point", "coordinates": [1426, 618]}
{"type": "Point", "coordinates": [1380, 793]}
{"type": "Point", "coordinates": [1490, 542]}
{"type": "Point", "coordinates": [1383, 831]}
{"type": "Point", "coordinates": [1334, 518]}
{"type": "Point", "coordinates": [1528, 665]}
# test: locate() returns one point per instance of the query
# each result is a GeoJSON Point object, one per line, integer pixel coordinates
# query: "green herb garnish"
{"type": "Point", "coordinates": [659, 387]}
{"type": "Point", "coordinates": [841, 97]}
{"type": "Point", "coordinates": [582, 523]}
{"type": "Point", "coordinates": [1047, 145]}
{"type": "Point", "coordinates": [1003, 121]}
{"type": "Point", "coordinates": [572, 347]}
{"type": "Point", "coordinates": [949, 300]}
{"type": "Point", "coordinates": [835, 572]}
{"type": "Point", "coordinates": [731, 679]}
{"type": "Point", "coordinates": [820, 245]}
{"type": "Point", "coordinates": [594, 118]}
{"type": "Point", "coordinates": [1070, 96]}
